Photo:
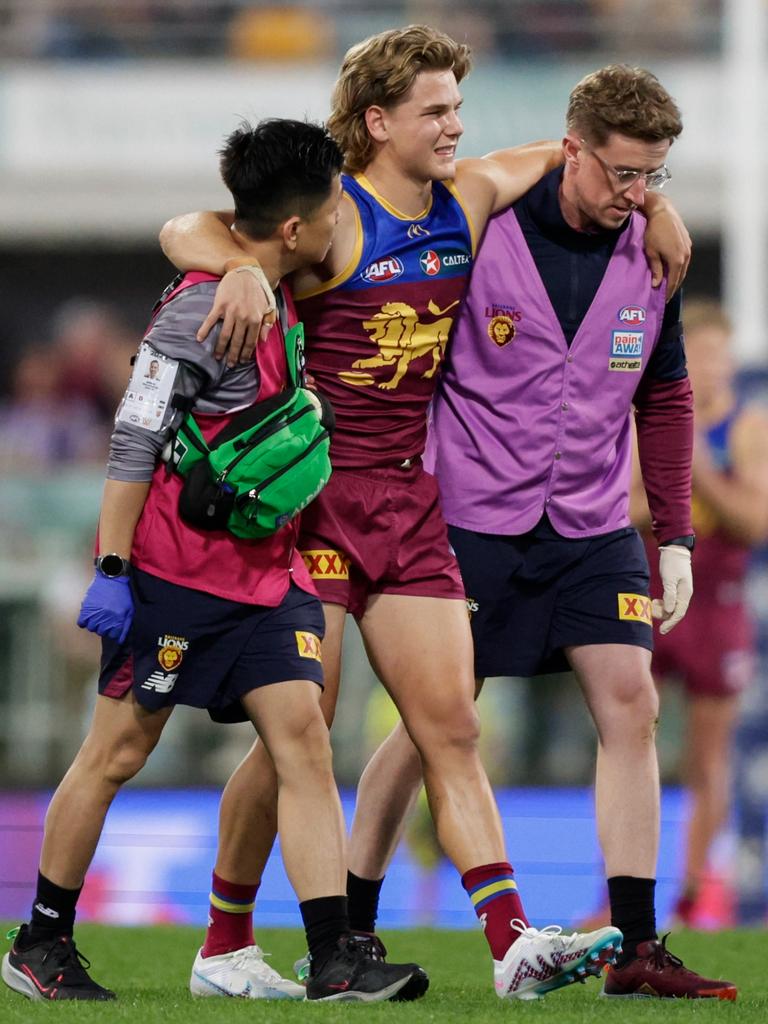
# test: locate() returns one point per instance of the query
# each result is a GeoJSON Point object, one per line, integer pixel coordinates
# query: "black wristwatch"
{"type": "Point", "coordinates": [688, 541]}
{"type": "Point", "coordinates": [112, 566]}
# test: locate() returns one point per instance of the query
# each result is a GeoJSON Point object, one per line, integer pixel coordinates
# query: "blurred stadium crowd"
{"type": "Point", "coordinates": [323, 29]}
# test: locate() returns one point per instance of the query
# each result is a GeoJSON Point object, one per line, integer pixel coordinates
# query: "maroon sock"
{"type": "Point", "coordinates": [230, 917]}
{"type": "Point", "coordinates": [497, 903]}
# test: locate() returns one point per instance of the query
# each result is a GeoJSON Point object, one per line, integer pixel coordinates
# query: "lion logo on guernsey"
{"type": "Point", "coordinates": [401, 338]}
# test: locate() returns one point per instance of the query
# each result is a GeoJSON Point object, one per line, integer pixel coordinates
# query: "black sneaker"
{"type": "Point", "coordinates": [50, 969]}
{"type": "Point", "coordinates": [349, 975]}
{"type": "Point", "coordinates": [374, 949]}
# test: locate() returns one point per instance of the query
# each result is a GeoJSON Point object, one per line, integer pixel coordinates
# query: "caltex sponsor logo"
{"type": "Point", "coordinates": [430, 262]}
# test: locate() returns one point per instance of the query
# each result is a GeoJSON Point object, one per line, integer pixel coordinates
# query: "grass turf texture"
{"type": "Point", "coordinates": [149, 969]}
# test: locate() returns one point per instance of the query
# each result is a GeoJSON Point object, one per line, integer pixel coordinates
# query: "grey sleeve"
{"type": "Point", "coordinates": [185, 368]}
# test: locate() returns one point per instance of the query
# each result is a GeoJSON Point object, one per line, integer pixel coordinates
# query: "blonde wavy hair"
{"type": "Point", "coordinates": [381, 71]}
{"type": "Point", "coordinates": [623, 99]}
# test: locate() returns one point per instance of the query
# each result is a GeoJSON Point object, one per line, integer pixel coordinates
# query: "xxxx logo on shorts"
{"type": "Point", "coordinates": [171, 653]}
{"type": "Point", "coordinates": [635, 608]}
{"type": "Point", "coordinates": [326, 564]}
{"type": "Point", "coordinates": [308, 645]}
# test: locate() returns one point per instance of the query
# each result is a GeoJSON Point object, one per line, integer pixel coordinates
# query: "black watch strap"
{"type": "Point", "coordinates": [112, 565]}
{"type": "Point", "coordinates": [689, 541]}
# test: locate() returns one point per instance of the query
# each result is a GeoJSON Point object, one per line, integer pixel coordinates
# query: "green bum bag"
{"type": "Point", "coordinates": [265, 466]}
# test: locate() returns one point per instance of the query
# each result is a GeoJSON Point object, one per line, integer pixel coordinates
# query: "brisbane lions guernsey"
{"type": "Point", "coordinates": [376, 333]}
{"type": "Point", "coordinates": [721, 560]}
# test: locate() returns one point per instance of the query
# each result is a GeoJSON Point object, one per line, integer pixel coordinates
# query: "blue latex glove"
{"type": "Point", "coordinates": [107, 607]}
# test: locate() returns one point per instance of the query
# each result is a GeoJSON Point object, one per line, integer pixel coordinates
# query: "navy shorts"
{"type": "Point", "coordinates": [532, 595]}
{"type": "Point", "coordinates": [189, 647]}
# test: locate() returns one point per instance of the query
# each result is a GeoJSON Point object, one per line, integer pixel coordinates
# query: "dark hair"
{"type": "Point", "coordinates": [277, 169]}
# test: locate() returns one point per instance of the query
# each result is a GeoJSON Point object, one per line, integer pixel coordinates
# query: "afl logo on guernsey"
{"type": "Point", "coordinates": [430, 262]}
{"type": "Point", "coordinates": [632, 316]}
{"type": "Point", "coordinates": [386, 269]}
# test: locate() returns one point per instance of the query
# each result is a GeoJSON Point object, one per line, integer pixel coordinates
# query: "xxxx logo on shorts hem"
{"type": "Point", "coordinates": [635, 608]}
{"type": "Point", "coordinates": [326, 564]}
{"type": "Point", "coordinates": [308, 645]}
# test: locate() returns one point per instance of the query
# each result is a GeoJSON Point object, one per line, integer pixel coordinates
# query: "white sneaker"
{"type": "Point", "coordinates": [243, 974]}
{"type": "Point", "coordinates": [540, 961]}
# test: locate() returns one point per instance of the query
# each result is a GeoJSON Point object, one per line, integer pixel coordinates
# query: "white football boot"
{"type": "Point", "coordinates": [243, 974]}
{"type": "Point", "coordinates": [540, 961]}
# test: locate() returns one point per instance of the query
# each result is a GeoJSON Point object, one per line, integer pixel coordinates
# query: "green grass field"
{"type": "Point", "coordinates": [149, 969]}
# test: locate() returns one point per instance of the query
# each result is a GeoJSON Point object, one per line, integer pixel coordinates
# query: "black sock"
{"type": "Point", "coordinates": [633, 911]}
{"type": "Point", "coordinates": [363, 895]}
{"type": "Point", "coordinates": [325, 921]}
{"type": "Point", "coordinates": [53, 911]}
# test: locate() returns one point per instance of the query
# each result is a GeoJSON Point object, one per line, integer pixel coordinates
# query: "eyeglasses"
{"type": "Point", "coordinates": [654, 180]}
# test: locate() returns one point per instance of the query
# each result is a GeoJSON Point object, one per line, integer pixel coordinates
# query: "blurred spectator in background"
{"type": "Point", "coordinates": [713, 649]}
{"type": "Point", "coordinates": [280, 32]}
{"type": "Point", "coordinates": [94, 348]}
{"type": "Point", "coordinates": [273, 31]}
{"type": "Point", "coordinates": [626, 27]}
{"type": "Point", "coordinates": [750, 795]}
{"type": "Point", "coordinates": [41, 426]}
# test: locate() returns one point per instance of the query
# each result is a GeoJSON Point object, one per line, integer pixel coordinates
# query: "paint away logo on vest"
{"type": "Point", "coordinates": [635, 608]}
{"type": "Point", "coordinates": [308, 645]}
{"type": "Point", "coordinates": [626, 351]}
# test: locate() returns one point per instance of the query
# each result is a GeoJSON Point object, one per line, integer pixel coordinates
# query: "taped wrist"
{"type": "Point", "coordinates": [238, 266]}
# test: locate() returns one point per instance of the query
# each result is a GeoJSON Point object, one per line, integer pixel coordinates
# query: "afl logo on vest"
{"type": "Point", "coordinates": [632, 316]}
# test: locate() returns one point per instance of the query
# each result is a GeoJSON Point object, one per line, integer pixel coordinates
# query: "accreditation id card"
{"type": "Point", "coordinates": [149, 391]}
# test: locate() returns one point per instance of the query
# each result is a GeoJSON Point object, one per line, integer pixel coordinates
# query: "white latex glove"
{"type": "Point", "coordinates": [677, 580]}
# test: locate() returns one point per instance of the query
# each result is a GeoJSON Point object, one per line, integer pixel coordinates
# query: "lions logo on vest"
{"type": "Point", "coordinates": [501, 329]}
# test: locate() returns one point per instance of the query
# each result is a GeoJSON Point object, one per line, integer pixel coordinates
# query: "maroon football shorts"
{"type": "Point", "coordinates": [378, 531]}
{"type": "Point", "coordinates": [711, 650]}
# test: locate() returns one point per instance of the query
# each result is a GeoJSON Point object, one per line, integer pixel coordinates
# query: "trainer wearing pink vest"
{"type": "Point", "coordinates": [560, 335]}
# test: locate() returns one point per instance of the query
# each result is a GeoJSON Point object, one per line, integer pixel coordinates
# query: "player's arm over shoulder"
{"type": "Point", "coordinates": [204, 240]}
{"type": "Point", "coordinates": [493, 182]}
